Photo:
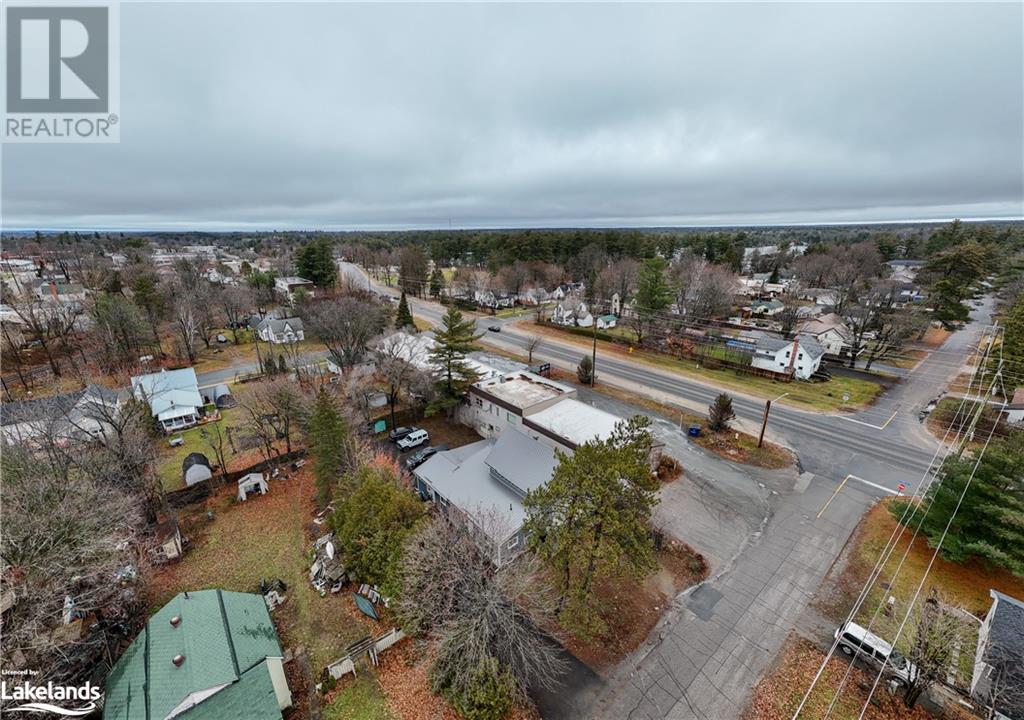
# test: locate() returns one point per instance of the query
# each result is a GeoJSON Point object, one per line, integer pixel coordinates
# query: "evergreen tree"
{"type": "Point", "coordinates": [315, 261]}
{"type": "Point", "coordinates": [403, 319]}
{"type": "Point", "coordinates": [591, 521]}
{"type": "Point", "coordinates": [989, 523]}
{"type": "Point", "coordinates": [436, 282]}
{"type": "Point", "coordinates": [328, 444]}
{"type": "Point", "coordinates": [373, 522]}
{"type": "Point", "coordinates": [720, 413]}
{"type": "Point", "coordinates": [455, 339]}
{"type": "Point", "coordinates": [653, 294]}
{"type": "Point", "coordinates": [585, 370]}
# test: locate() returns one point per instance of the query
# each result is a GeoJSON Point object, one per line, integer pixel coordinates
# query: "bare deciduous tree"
{"type": "Point", "coordinates": [452, 592]}
{"type": "Point", "coordinates": [533, 343]}
{"type": "Point", "coordinates": [346, 326]}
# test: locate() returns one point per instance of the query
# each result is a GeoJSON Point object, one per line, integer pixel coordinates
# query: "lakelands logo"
{"type": "Point", "coordinates": [64, 700]}
{"type": "Point", "coordinates": [62, 82]}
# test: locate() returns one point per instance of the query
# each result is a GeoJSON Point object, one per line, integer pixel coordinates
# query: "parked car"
{"type": "Point", "coordinates": [413, 439]}
{"type": "Point", "coordinates": [421, 456]}
{"type": "Point", "coordinates": [495, 328]}
{"type": "Point", "coordinates": [852, 637]}
{"type": "Point", "coordinates": [400, 432]}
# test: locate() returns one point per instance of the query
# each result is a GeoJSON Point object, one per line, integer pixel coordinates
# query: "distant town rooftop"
{"type": "Point", "coordinates": [523, 389]}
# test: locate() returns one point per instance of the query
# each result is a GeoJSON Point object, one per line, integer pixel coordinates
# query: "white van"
{"type": "Point", "coordinates": [852, 637]}
{"type": "Point", "coordinates": [413, 439]}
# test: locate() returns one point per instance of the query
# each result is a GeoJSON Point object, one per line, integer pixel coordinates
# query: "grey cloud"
{"type": "Point", "coordinates": [259, 115]}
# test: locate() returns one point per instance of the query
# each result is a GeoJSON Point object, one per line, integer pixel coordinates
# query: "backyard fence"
{"type": "Point", "coordinates": [369, 646]}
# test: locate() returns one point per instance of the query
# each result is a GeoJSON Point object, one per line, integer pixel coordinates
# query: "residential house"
{"type": "Point", "coordinates": [572, 313]}
{"type": "Point", "coordinates": [486, 482]}
{"type": "Point", "coordinates": [904, 270]}
{"type": "Point", "coordinates": [494, 299]}
{"type": "Point", "coordinates": [205, 655]}
{"type": "Point", "coordinates": [607, 322]}
{"type": "Point", "coordinates": [800, 357]}
{"type": "Point", "coordinates": [831, 332]}
{"type": "Point", "coordinates": [820, 296]}
{"type": "Point", "coordinates": [765, 308]}
{"type": "Point", "coordinates": [61, 292]}
{"type": "Point", "coordinates": [173, 397]}
{"type": "Point", "coordinates": [278, 331]}
{"type": "Point", "coordinates": [534, 296]}
{"type": "Point", "coordinates": [83, 414]}
{"type": "Point", "coordinates": [616, 305]}
{"type": "Point", "coordinates": [998, 679]}
{"type": "Point", "coordinates": [288, 286]}
{"type": "Point", "coordinates": [1014, 411]}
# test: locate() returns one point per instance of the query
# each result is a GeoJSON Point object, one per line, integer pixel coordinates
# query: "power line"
{"type": "Point", "coordinates": [883, 558]}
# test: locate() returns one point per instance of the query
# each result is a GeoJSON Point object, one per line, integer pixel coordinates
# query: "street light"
{"type": "Point", "coordinates": [764, 421]}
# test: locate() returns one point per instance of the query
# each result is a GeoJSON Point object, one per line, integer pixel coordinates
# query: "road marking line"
{"type": "Point", "coordinates": [843, 484]}
{"type": "Point", "coordinates": [890, 491]}
{"type": "Point", "coordinates": [838, 489]}
{"type": "Point", "coordinates": [883, 426]}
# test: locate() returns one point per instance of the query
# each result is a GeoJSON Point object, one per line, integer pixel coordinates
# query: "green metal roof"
{"type": "Point", "coordinates": [250, 698]}
{"type": "Point", "coordinates": [221, 636]}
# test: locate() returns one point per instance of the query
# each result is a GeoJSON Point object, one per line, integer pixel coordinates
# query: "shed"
{"type": "Point", "coordinates": [167, 544]}
{"type": "Point", "coordinates": [251, 483]}
{"type": "Point", "coordinates": [195, 468]}
{"type": "Point", "coordinates": [223, 398]}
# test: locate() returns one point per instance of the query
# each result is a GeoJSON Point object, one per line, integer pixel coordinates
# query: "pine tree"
{"type": "Point", "coordinates": [720, 413]}
{"type": "Point", "coordinates": [455, 339]}
{"type": "Point", "coordinates": [403, 319]}
{"type": "Point", "coordinates": [436, 282]}
{"type": "Point", "coordinates": [328, 444]}
{"type": "Point", "coordinates": [315, 261]}
{"type": "Point", "coordinates": [592, 520]}
{"type": "Point", "coordinates": [585, 370]}
{"type": "Point", "coordinates": [989, 523]}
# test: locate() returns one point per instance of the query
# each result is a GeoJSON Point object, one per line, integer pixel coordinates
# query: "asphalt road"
{"type": "Point", "coordinates": [771, 537]}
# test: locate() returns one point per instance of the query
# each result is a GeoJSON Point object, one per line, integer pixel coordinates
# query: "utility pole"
{"type": "Point", "coordinates": [764, 420]}
{"type": "Point", "coordinates": [593, 352]}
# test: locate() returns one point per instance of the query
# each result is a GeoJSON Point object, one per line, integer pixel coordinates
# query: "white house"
{"type": "Point", "coordinates": [831, 332]}
{"type": "Point", "coordinates": [287, 286]}
{"type": "Point", "coordinates": [173, 397]}
{"type": "Point", "coordinates": [278, 331]}
{"type": "Point", "coordinates": [606, 322]}
{"type": "Point", "coordinates": [61, 292]}
{"type": "Point", "coordinates": [534, 296]}
{"type": "Point", "coordinates": [800, 357]}
{"type": "Point", "coordinates": [765, 308]}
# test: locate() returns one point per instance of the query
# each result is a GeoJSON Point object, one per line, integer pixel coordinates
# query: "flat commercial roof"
{"type": "Point", "coordinates": [523, 390]}
{"type": "Point", "coordinates": [574, 422]}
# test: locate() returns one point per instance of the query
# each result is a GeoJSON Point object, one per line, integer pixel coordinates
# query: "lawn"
{"type": "Point", "coordinates": [818, 396]}
{"type": "Point", "coordinates": [170, 458]}
{"type": "Point", "coordinates": [266, 537]}
{"type": "Point", "coordinates": [964, 586]}
{"type": "Point", "coordinates": [358, 699]}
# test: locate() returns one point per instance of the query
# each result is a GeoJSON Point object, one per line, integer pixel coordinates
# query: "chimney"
{"type": "Point", "coordinates": [792, 354]}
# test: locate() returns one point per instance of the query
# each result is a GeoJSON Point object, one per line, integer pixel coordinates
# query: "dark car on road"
{"type": "Point", "coordinates": [495, 328]}
{"type": "Point", "coordinates": [400, 432]}
{"type": "Point", "coordinates": [421, 456]}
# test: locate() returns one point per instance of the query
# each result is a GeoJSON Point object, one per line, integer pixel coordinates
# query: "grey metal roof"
{"type": "Point", "coordinates": [1005, 650]}
{"type": "Point", "coordinates": [525, 463]}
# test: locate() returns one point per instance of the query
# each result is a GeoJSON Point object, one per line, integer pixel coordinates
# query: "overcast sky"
{"type": "Point", "coordinates": [252, 115]}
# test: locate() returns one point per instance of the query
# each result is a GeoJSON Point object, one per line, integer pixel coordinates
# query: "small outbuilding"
{"type": "Point", "coordinates": [195, 468]}
{"type": "Point", "coordinates": [223, 398]}
{"type": "Point", "coordinates": [252, 483]}
{"type": "Point", "coordinates": [167, 543]}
